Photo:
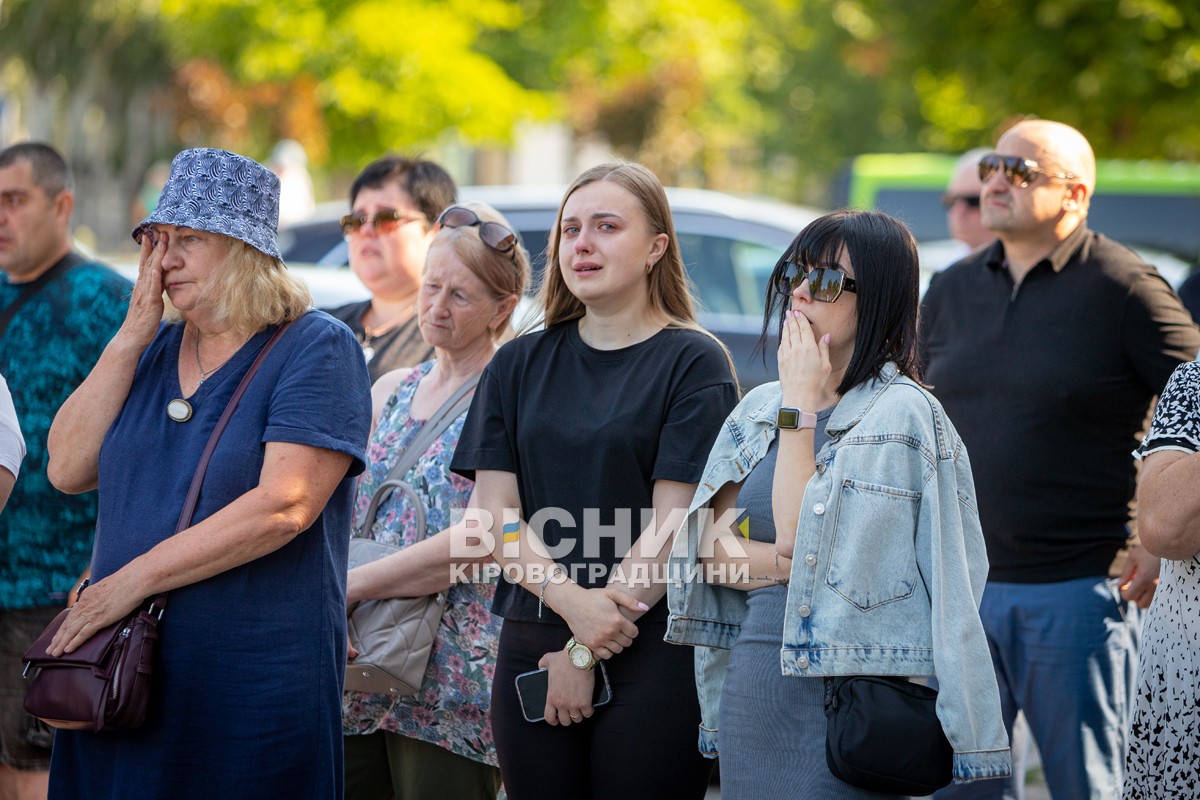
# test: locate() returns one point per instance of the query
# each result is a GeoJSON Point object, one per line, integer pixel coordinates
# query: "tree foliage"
{"type": "Point", "coordinates": [768, 95]}
{"type": "Point", "coordinates": [663, 81]}
{"type": "Point", "coordinates": [353, 79]}
{"type": "Point", "coordinates": [88, 78]}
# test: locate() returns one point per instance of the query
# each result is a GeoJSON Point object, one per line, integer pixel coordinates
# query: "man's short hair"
{"type": "Point", "coordinates": [50, 171]}
{"type": "Point", "coordinates": [431, 188]}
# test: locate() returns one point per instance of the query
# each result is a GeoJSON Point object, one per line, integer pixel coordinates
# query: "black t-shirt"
{"type": "Point", "coordinates": [587, 432]}
{"type": "Point", "coordinates": [1048, 384]}
{"type": "Point", "coordinates": [401, 346]}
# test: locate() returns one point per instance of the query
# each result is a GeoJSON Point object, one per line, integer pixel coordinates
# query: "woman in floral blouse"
{"type": "Point", "coordinates": [438, 742]}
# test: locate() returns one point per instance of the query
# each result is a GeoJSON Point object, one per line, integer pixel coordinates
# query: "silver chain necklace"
{"type": "Point", "coordinates": [179, 409]}
{"type": "Point", "coordinates": [204, 374]}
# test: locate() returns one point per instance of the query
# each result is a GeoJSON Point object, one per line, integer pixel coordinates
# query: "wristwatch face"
{"type": "Point", "coordinates": [580, 656]}
{"type": "Point", "coordinates": [788, 418]}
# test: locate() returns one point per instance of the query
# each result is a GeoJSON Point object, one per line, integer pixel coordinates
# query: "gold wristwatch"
{"type": "Point", "coordinates": [580, 655]}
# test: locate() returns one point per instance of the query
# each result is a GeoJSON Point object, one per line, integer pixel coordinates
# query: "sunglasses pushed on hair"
{"type": "Point", "coordinates": [384, 221]}
{"type": "Point", "coordinates": [1019, 172]}
{"type": "Point", "coordinates": [493, 234]}
{"type": "Point", "coordinates": [825, 283]}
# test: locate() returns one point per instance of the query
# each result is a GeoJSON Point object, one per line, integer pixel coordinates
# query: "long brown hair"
{"type": "Point", "coordinates": [668, 288]}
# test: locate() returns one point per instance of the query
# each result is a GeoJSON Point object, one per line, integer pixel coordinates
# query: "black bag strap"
{"type": "Point", "coordinates": [30, 290]}
{"type": "Point", "coordinates": [434, 427]}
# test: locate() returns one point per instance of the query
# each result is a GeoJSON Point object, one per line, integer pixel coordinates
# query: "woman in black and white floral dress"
{"type": "Point", "coordinates": [1164, 748]}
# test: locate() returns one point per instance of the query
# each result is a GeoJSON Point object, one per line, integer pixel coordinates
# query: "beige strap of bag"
{"type": "Point", "coordinates": [394, 637]}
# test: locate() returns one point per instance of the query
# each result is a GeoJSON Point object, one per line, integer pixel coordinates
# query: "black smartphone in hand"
{"type": "Point", "coordinates": [532, 687]}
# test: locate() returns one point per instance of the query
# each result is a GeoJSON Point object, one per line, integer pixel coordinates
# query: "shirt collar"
{"type": "Point", "coordinates": [1057, 258]}
{"type": "Point", "coordinates": [853, 407]}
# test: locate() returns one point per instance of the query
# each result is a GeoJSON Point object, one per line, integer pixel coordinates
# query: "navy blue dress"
{"type": "Point", "coordinates": [249, 686]}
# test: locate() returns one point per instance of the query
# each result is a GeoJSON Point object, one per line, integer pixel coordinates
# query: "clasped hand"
{"type": "Point", "coordinates": [596, 619]}
{"type": "Point", "coordinates": [568, 689]}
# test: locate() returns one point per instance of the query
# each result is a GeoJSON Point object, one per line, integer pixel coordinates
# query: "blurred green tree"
{"type": "Point", "coordinates": [757, 95]}
{"type": "Point", "coordinates": [120, 83]}
{"type": "Point", "coordinates": [347, 78]}
{"type": "Point", "coordinates": [89, 78]}
{"type": "Point", "coordinates": [1124, 72]}
{"type": "Point", "coordinates": [666, 82]}
{"type": "Point", "coordinates": [859, 76]}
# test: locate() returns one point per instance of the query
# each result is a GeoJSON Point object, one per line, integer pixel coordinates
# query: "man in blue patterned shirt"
{"type": "Point", "coordinates": [57, 313]}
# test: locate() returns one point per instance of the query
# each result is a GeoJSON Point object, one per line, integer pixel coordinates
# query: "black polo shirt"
{"type": "Point", "coordinates": [1049, 384]}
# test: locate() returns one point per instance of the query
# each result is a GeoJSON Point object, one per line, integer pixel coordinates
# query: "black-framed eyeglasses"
{"type": "Point", "coordinates": [384, 221]}
{"type": "Point", "coordinates": [825, 282]}
{"type": "Point", "coordinates": [496, 236]}
{"type": "Point", "coordinates": [1019, 172]}
{"type": "Point", "coordinates": [971, 200]}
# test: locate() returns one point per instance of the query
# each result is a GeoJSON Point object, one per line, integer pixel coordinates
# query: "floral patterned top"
{"type": "Point", "coordinates": [451, 709]}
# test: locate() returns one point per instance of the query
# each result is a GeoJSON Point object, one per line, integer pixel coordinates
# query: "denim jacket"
{"type": "Point", "coordinates": [889, 563]}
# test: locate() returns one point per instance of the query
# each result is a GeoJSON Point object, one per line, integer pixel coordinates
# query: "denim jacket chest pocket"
{"type": "Point", "coordinates": [885, 571]}
{"type": "Point", "coordinates": [870, 525]}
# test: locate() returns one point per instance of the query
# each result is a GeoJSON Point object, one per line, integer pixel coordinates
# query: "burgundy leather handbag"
{"type": "Point", "coordinates": [105, 683]}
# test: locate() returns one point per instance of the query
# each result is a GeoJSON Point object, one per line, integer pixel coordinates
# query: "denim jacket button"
{"type": "Point", "coordinates": [819, 509]}
{"type": "Point", "coordinates": [805, 611]}
{"type": "Point", "coordinates": [802, 662]}
{"type": "Point", "coordinates": [811, 560]}
{"type": "Point", "coordinates": [821, 468]}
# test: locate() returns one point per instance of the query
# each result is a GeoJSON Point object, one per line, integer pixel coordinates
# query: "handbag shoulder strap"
{"type": "Point", "coordinates": [30, 290]}
{"type": "Point", "coordinates": [193, 495]}
{"type": "Point", "coordinates": [434, 427]}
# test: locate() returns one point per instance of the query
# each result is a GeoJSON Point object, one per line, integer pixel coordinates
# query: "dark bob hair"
{"type": "Point", "coordinates": [884, 255]}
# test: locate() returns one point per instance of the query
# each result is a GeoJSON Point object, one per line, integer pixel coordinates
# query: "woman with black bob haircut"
{"type": "Point", "coordinates": [887, 314]}
{"type": "Point", "coordinates": [835, 532]}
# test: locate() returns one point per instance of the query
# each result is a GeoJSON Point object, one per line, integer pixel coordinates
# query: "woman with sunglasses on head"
{"type": "Point", "coordinates": [579, 433]}
{"type": "Point", "coordinates": [436, 743]}
{"type": "Point", "coordinates": [858, 548]}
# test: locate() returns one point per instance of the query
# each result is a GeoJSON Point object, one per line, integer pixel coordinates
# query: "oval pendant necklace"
{"type": "Point", "coordinates": [179, 410]}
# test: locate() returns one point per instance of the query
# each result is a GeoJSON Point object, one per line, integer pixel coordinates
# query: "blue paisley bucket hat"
{"type": "Point", "coordinates": [220, 192]}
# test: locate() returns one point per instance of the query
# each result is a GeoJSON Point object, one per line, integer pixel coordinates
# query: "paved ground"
{"type": "Point", "coordinates": [1034, 789]}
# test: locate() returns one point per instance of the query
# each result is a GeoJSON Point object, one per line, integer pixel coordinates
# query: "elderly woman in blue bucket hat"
{"type": "Point", "coordinates": [247, 699]}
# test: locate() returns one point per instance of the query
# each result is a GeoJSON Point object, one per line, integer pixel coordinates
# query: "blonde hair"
{"type": "Point", "coordinates": [668, 286]}
{"type": "Point", "coordinates": [504, 274]}
{"type": "Point", "coordinates": [250, 290]}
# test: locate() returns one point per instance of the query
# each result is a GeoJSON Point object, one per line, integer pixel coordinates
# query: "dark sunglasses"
{"type": "Point", "coordinates": [493, 234]}
{"type": "Point", "coordinates": [384, 221]}
{"type": "Point", "coordinates": [1019, 172]}
{"type": "Point", "coordinates": [948, 200]}
{"type": "Point", "coordinates": [825, 283]}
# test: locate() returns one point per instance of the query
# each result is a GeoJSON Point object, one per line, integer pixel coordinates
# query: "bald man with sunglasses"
{"type": "Point", "coordinates": [1046, 349]}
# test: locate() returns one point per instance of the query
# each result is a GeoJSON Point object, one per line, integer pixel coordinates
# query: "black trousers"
{"type": "Point", "coordinates": [641, 745]}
